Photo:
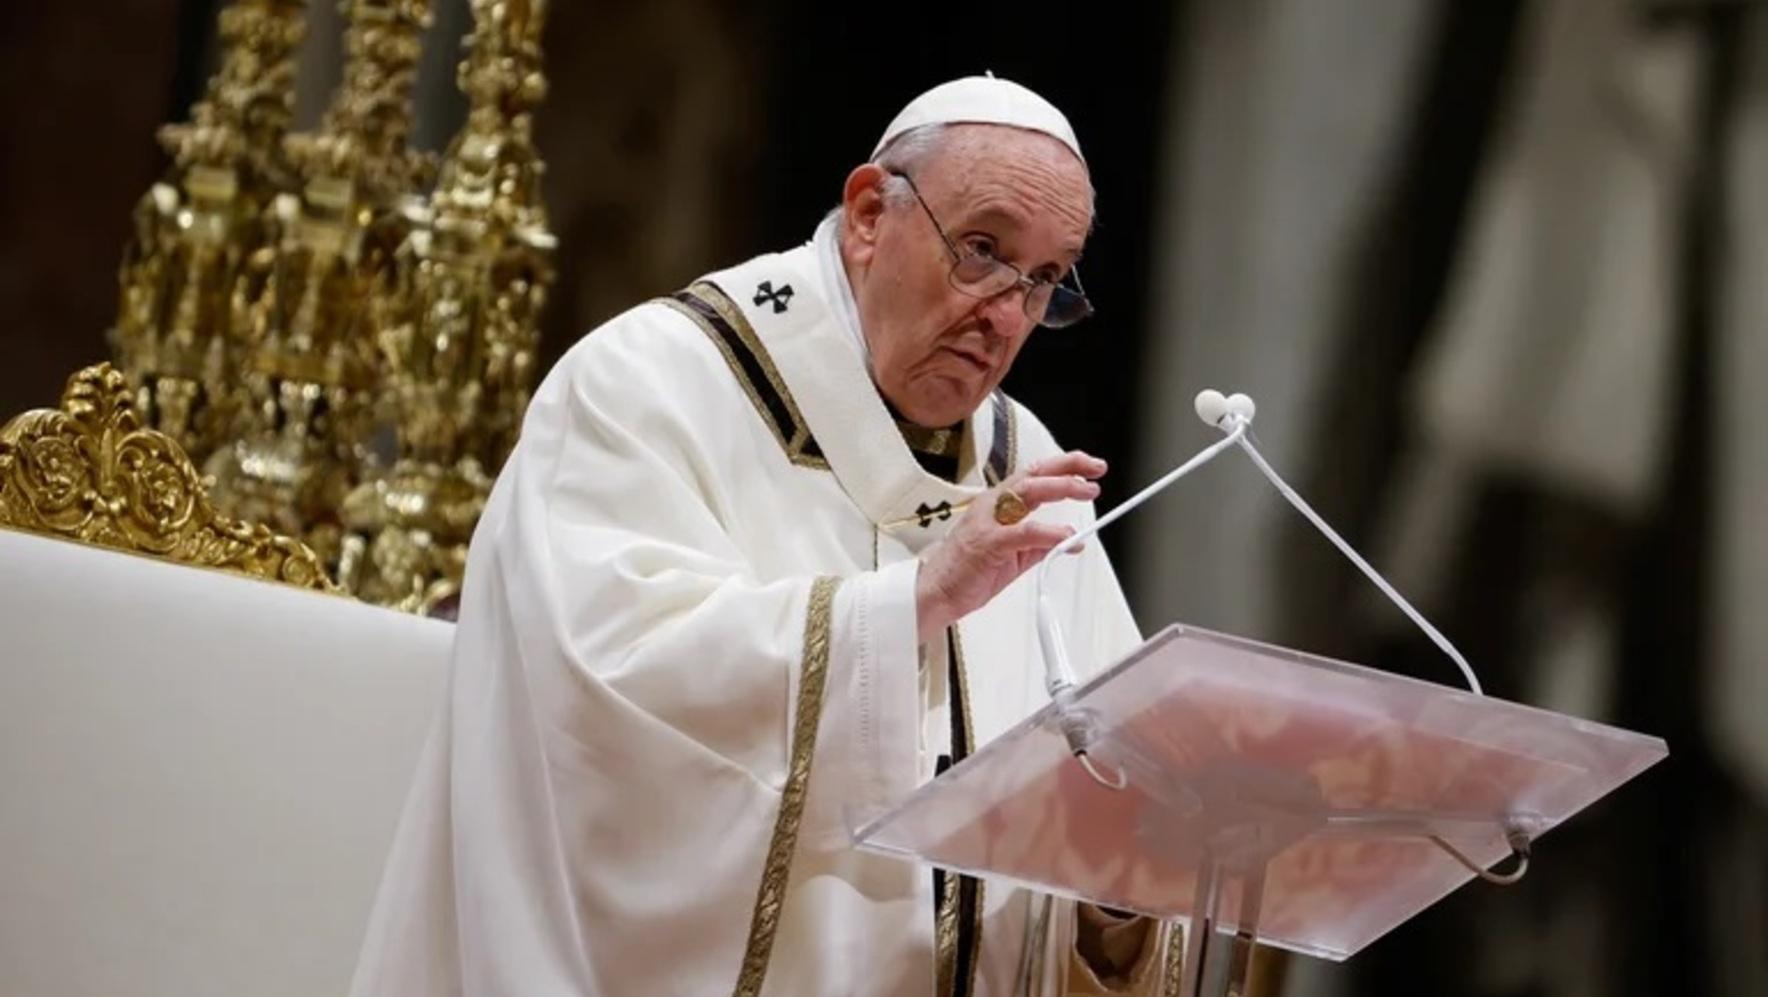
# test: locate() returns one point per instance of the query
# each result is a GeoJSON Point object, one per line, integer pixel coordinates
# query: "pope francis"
{"type": "Point", "coordinates": [755, 571]}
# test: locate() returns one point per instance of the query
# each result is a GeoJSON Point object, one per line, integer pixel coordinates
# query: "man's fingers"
{"type": "Point", "coordinates": [1077, 462]}
{"type": "Point", "coordinates": [1037, 491]}
{"type": "Point", "coordinates": [1064, 476]}
{"type": "Point", "coordinates": [1033, 536]}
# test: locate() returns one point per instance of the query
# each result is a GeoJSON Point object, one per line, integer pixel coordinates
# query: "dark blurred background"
{"type": "Point", "coordinates": [1496, 271]}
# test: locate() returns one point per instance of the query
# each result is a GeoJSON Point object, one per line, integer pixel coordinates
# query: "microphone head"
{"type": "Point", "coordinates": [1242, 406]}
{"type": "Point", "coordinates": [1211, 406]}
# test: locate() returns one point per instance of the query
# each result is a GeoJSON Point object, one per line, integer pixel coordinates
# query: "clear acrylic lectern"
{"type": "Point", "coordinates": [1245, 788]}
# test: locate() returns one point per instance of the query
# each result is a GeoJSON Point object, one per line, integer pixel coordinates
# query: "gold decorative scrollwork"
{"type": "Point", "coordinates": [339, 329]}
{"type": "Point", "coordinates": [458, 330]}
{"type": "Point", "coordinates": [89, 471]}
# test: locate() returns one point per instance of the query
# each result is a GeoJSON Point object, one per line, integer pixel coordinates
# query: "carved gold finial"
{"type": "Point", "coordinates": [459, 348]}
{"type": "Point", "coordinates": [313, 373]}
{"type": "Point", "coordinates": [89, 471]}
{"type": "Point", "coordinates": [179, 328]}
{"type": "Point", "coordinates": [349, 358]}
{"type": "Point", "coordinates": [361, 144]}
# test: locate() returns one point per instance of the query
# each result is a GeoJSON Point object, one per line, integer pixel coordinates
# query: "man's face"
{"type": "Point", "coordinates": [1022, 196]}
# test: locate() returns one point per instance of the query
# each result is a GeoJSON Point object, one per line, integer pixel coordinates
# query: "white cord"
{"type": "Point", "coordinates": [1057, 673]}
{"type": "Point", "coordinates": [1518, 848]}
{"type": "Point", "coordinates": [1233, 416]}
{"type": "Point", "coordinates": [1357, 559]}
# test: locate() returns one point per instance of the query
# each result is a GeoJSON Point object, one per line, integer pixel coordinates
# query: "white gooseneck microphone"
{"type": "Point", "coordinates": [1232, 414]}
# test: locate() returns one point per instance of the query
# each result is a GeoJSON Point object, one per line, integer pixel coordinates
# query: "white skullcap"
{"type": "Point", "coordinates": [983, 100]}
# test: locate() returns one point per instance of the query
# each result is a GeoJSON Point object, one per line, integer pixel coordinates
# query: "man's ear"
{"type": "Point", "coordinates": [862, 204]}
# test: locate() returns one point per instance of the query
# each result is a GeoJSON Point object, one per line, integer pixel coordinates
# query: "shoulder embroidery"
{"type": "Point", "coordinates": [724, 323]}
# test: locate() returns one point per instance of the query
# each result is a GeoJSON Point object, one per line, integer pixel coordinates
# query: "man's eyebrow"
{"type": "Point", "coordinates": [1070, 253]}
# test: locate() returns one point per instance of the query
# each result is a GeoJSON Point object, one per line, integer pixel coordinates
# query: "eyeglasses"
{"type": "Point", "coordinates": [980, 274]}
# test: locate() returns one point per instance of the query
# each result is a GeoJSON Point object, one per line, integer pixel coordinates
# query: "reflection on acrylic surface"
{"type": "Point", "coordinates": [1325, 777]}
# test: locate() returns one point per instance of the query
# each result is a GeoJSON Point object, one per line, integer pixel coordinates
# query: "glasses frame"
{"type": "Point", "coordinates": [1031, 284]}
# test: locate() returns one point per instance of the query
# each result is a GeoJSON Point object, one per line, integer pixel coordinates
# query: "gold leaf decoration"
{"type": "Point", "coordinates": [89, 471]}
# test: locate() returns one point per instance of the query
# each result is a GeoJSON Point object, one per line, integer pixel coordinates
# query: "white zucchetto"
{"type": "Point", "coordinates": [983, 100]}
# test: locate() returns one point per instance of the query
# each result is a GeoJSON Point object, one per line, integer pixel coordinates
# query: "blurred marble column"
{"type": "Point", "coordinates": [1284, 124]}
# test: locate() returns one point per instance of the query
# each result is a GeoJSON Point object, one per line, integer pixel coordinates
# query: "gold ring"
{"type": "Point", "coordinates": [1010, 508]}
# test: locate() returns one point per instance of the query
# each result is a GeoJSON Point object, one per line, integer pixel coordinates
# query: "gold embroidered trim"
{"type": "Point", "coordinates": [945, 927]}
{"type": "Point", "coordinates": [1012, 437]}
{"type": "Point", "coordinates": [949, 443]}
{"type": "Point", "coordinates": [799, 445]}
{"type": "Point", "coordinates": [943, 442]}
{"type": "Point", "coordinates": [813, 676]}
{"type": "Point", "coordinates": [945, 937]}
{"type": "Point", "coordinates": [1171, 973]}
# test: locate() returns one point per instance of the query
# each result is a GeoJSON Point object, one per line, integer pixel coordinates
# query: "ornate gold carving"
{"type": "Point", "coordinates": [359, 155]}
{"type": "Point", "coordinates": [457, 335]}
{"type": "Point", "coordinates": [409, 530]}
{"type": "Point", "coordinates": [808, 712]}
{"type": "Point", "coordinates": [332, 259]}
{"type": "Point", "coordinates": [348, 356]}
{"type": "Point", "coordinates": [191, 265]}
{"type": "Point", "coordinates": [89, 471]}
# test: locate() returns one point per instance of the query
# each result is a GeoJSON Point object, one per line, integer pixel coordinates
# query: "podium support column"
{"type": "Point", "coordinates": [1217, 964]}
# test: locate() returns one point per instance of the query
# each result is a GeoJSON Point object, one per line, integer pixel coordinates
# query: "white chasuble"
{"type": "Point", "coordinates": [687, 664]}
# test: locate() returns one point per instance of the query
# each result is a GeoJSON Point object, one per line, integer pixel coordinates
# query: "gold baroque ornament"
{"type": "Point", "coordinates": [344, 350]}
{"type": "Point", "coordinates": [180, 332]}
{"type": "Point", "coordinates": [457, 330]}
{"type": "Point", "coordinates": [89, 471]}
{"type": "Point", "coordinates": [329, 258]}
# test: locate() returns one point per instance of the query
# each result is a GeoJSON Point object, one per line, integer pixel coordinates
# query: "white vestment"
{"type": "Point", "coordinates": [687, 665]}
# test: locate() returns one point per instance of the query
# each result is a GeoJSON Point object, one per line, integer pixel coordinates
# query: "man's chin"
{"type": "Point", "coordinates": [936, 411]}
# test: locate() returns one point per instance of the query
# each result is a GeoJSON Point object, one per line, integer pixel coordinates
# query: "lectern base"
{"type": "Point", "coordinates": [1217, 964]}
{"type": "Point", "coordinates": [1262, 971]}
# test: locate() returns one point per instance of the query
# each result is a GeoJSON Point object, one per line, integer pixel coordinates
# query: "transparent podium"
{"type": "Point", "coordinates": [1255, 792]}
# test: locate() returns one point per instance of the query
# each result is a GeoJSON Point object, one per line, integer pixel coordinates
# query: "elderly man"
{"type": "Point", "coordinates": [753, 574]}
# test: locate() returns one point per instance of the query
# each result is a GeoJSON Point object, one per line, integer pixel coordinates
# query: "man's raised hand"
{"type": "Point", "coordinates": [982, 555]}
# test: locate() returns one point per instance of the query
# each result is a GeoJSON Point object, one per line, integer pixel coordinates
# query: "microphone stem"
{"type": "Point", "coordinates": [1058, 674]}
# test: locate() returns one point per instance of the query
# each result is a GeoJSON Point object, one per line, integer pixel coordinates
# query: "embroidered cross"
{"type": "Point", "coordinates": [926, 514]}
{"type": "Point", "coordinates": [765, 293]}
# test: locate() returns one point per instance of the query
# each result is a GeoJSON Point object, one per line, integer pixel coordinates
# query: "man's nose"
{"type": "Point", "coordinates": [1004, 314]}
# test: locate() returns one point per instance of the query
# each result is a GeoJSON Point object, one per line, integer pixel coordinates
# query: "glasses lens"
{"type": "Point", "coordinates": [981, 276]}
{"type": "Point", "coordinates": [1062, 307]}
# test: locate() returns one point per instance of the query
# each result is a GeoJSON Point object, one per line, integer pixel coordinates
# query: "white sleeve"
{"type": "Point", "coordinates": [627, 568]}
